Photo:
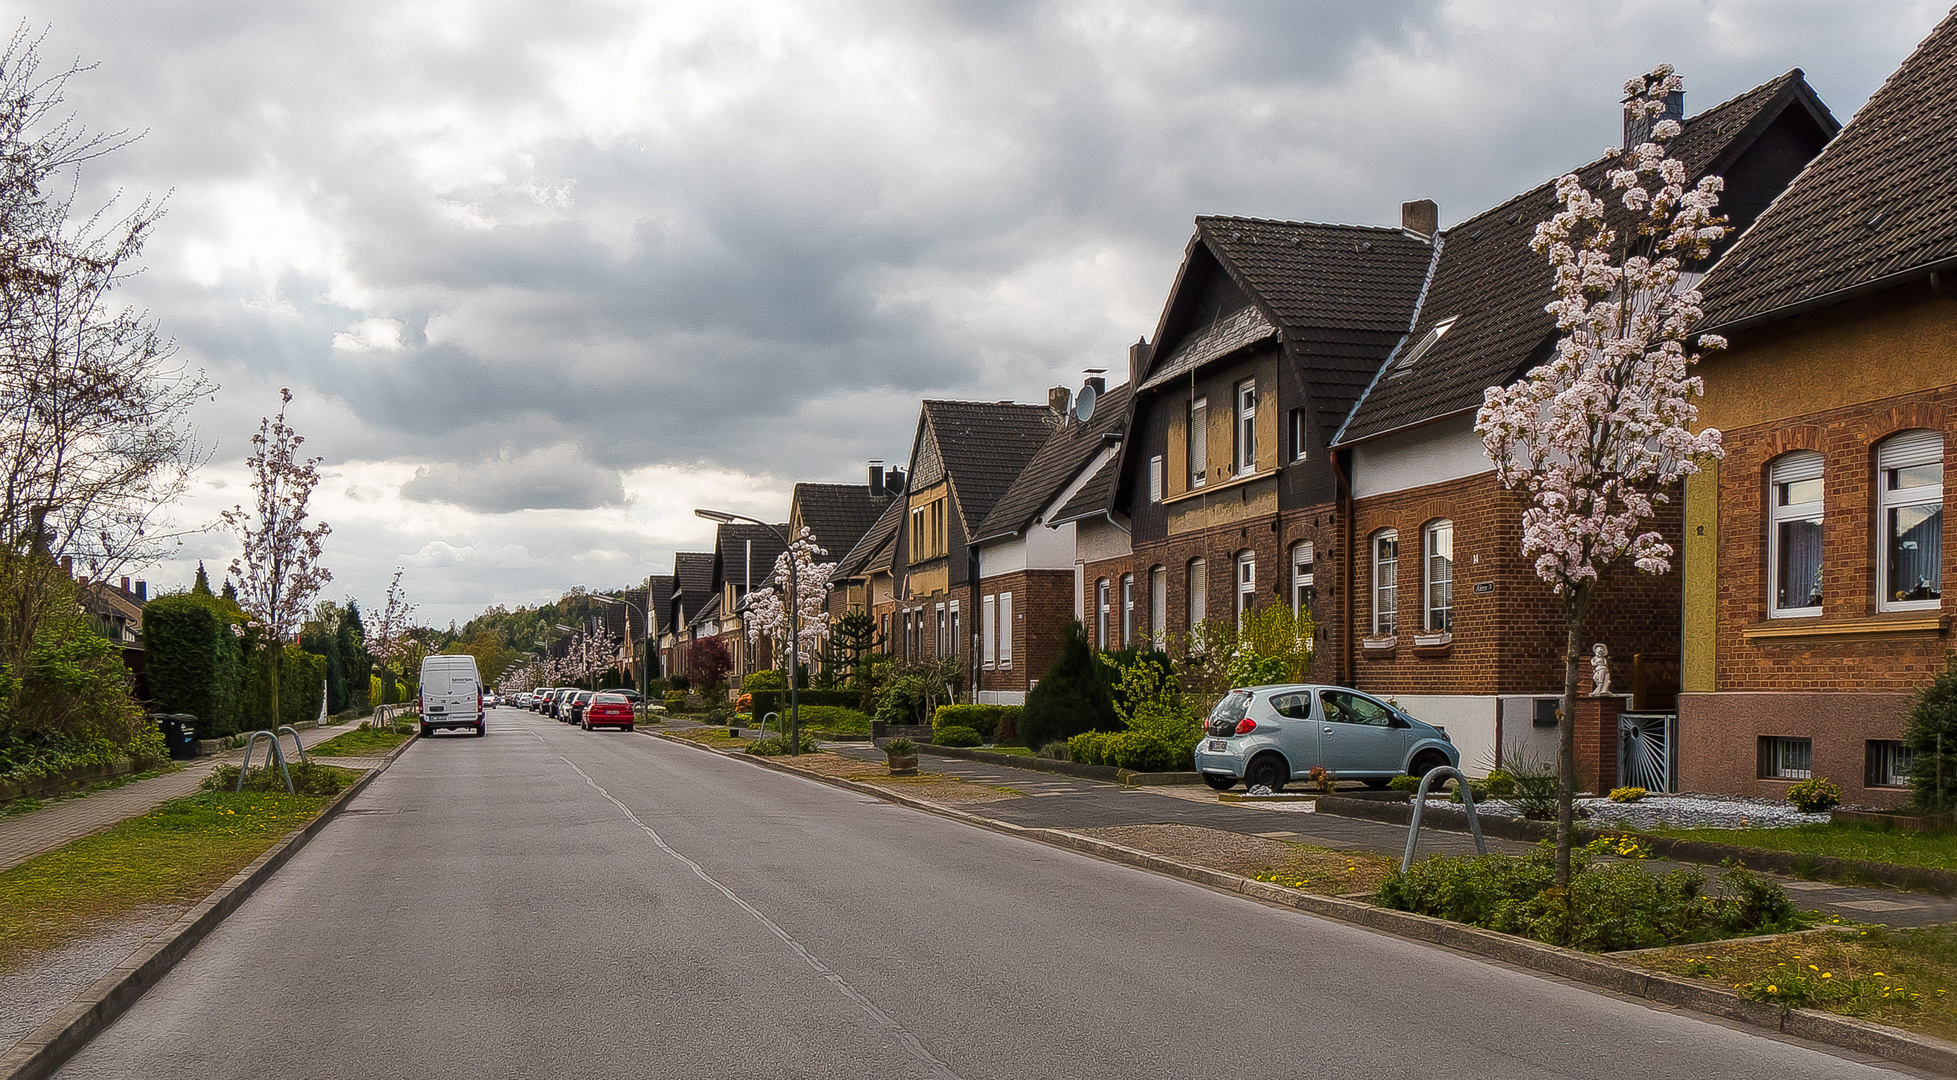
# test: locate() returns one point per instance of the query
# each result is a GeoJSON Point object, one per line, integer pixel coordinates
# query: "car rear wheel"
{"type": "Point", "coordinates": [1220, 783]}
{"type": "Point", "coordinates": [628, 727]}
{"type": "Point", "coordinates": [1268, 770]}
{"type": "Point", "coordinates": [426, 731]}
{"type": "Point", "coordinates": [1378, 783]}
{"type": "Point", "coordinates": [481, 729]}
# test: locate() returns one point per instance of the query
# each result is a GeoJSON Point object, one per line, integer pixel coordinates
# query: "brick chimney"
{"type": "Point", "coordinates": [1058, 398]}
{"type": "Point", "coordinates": [1138, 355]}
{"type": "Point", "coordinates": [1420, 216]}
{"type": "Point", "coordinates": [876, 479]}
{"type": "Point", "coordinates": [1637, 129]}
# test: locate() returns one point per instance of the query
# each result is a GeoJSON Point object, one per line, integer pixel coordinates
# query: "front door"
{"type": "Point", "coordinates": [1358, 736]}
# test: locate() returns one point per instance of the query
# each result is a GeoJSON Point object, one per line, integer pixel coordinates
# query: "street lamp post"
{"type": "Point", "coordinates": [645, 653]}
{"type": "Point", "coordinates": [721, 517]}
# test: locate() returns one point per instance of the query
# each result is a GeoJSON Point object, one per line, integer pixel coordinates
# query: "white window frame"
{"type": "Point", "coordinates": [1005, 631]}
{"type": "Point", "coordinates": [1302, 573]}
{"type": "Point", "coordinates": [938, 630]}
{"type": "Point", "coordinates": [1101, 614]}
{"type": "Point", "coordinates": [989, 631]}
{"type": "Point", "coordinates": [1794, 468]}
{"type": "Point", "coordinates": [1199, 442]}
{"type": "Point", "coordinates": [1438, 610]}
{"type": "Point", "coordinates": [1386, 583]}
{"type": "Point", "coordinates": [1128, 611]}
{"type": "Point", "coordinates": [1910, 448]}
{"type": "Point", "coordinates": [1245, 401]}
{"type": "Point", "coordinates": [1155, 479]}
{"type": "Point", "coordinates": [1298, 443]}
{"type": "Point", "coordinates": [955, 631]}
{"type": "Point", "coordinates": [1158, 606]}
{"type": "Point", "coordinates": [1246, 590]}
{"type": "Point", "coordinates": [1198, 605]}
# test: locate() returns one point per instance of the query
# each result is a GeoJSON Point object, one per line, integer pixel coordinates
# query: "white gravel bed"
{"type": "Point", "coordinates": [1678, 812]}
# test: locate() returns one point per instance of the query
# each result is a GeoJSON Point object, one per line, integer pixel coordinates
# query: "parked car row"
{"type": "Point", "coordinates": [586, 708]}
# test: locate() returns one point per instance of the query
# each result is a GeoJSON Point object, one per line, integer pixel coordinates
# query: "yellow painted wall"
{"type": "Point", "coordinates": [1698, 673]}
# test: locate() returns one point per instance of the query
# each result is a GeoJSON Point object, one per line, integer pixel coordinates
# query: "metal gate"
{"type": "Point", "coordinates": [1645, 751]}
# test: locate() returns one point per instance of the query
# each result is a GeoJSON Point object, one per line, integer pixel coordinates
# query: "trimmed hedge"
{"type": "Point", "coordinates": [776, 701]}
{"type": "Point", "coordinates": [1137, 750]}
{"type": "Point", "coordinates": [831, 718]}
{"type": "Point", "coordinates": [987, 720]}
{"type": "Point", "coordinates": [194, 661]}
{"type": "Point", "coordinates": [954, 735]}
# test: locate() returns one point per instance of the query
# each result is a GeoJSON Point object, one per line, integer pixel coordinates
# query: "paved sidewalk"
{"type": "Point", "coordinates": [40, 831]}
{"type": "Point", "coordinates": [1063, 802]}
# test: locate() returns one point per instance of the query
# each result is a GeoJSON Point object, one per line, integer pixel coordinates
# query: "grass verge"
{"type": "Point", "coordinates": [29, 804]}
{"type": "Point", "coordinates": [1841, 840]}
{"type": "Point", "coordinates": [1903, 978]}
{"type": "Point", "coordinates": [173, 856]}
{"type": "Point", "coordinates": [360, 742]}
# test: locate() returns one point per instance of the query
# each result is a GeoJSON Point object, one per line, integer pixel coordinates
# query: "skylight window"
{"type": "Point", "coordinates": [1414, 354]}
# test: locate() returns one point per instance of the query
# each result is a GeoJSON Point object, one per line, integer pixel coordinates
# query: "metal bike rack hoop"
{"type": "Point", "coordinates": [1420, 805]}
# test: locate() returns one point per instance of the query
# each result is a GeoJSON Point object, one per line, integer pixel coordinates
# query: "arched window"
{"type": "Point", "coordinates": [1246, 584]}
{"type": "Point", "coordinates": [1128, 611]}
{"type": "Point", "coordinates": [1794, 536]}
{"type": "Point", "coordinates": [1301, 576]}
{"type": "Point", "coordinates": [1386, 582]}
{"type": "Point", "coordinates": [1199, 591]}
{"type": "Point", "coordinates": [1437, 576]}
{"type": "Point", "coordinates": [1158, 606]}
{"type": "Point", "coordinates": [1909, 484]}
{"type": "Point", "coordinates": [1101, 614]}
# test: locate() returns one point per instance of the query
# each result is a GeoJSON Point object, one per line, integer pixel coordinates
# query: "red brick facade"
{"type": "Point", "coordinates": [1042, 603]}
{"type": "Point", "coordinates": [1508, 633]}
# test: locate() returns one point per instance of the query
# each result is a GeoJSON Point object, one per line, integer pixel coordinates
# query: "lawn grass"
{"type": "Point", "coordinates": [1016, 751]}
{"type": "Point", "coordinates": [172, 856]}
{"type": "Point", "coordinates": [29, 804]}
{"type": "Point", "coordinates": [360, 742]}
{"type": "Point", "coordinates": [1842, 840]}
{"type": "Point", "coordinates": [1904, 978]}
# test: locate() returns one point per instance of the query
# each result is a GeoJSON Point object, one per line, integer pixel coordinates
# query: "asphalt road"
{"type": "Point", "coordinates": [547, 902]}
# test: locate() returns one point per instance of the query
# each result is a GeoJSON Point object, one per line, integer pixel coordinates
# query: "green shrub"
{"type": "Point", "coordinates": [1535, 789]}
{"type": "Point", "coordinates": [1092, 747]}
{"type": "Point", "coordinates": [954, 735]}
{"type": "Point", "coordinates": [899, 747]}
{"type": "Point", "coordinates": [1815, 795]}
{"type": "Point", "coordinates": [1141, 751]}
{"type": "Point", "coordinates": [1055, 751]}
{"type": "Point", "coordinates": [193, 661]}
{"type": "Point", "coordinates": [832, 718]}
{"type": "Point", "coordinates": [308, 778]}
{"type": "Point", "coordinates": [1500, 784]}
{"type": "Point", "coordinates": [1930, 732]}
{"type": "Point", "coordinates": [1407, 784]}
{"type": "Point", "coordinates": [776, 745]}
{"type": "Point", "coordinates": [675, 701]}
{"type": "Point", "coordinates": [983, 719]}
{"type": "Point", "coordinates": [765, 701]}
{"type": "Point", "coordinates": [1606, 908]}
{"type": "Point", "coordinates": [1072, 696]}
{"type": "Point", "coordinates": [764, 680]}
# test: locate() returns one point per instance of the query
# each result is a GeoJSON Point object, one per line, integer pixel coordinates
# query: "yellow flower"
{"type": "Point", "coordinates": [1827, 974]}
{"type": "Point", "coordinates": [1811, 967]}
{"type": "Point", "coordinates": [1772, 989]}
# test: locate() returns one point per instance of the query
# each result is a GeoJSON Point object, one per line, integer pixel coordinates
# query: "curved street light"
{"type": "Point", "coordinates": [722, 517]}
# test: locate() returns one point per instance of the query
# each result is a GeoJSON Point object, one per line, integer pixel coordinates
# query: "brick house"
{"type": "Point", "coordinates": [1815, 550]}
{"type": "Point", "coordinates": [1033, 545]}
{"type": "Point", "coordinates": [1271, 331]}
{"type": "Point", "coordinates": [744, 558]}
{"type": "Point", "coordinates": [862, 580]}
{"type": "Point", "coordinates": [837, 516]}
{"type": "Point", "coordinates": [659, 603]}
{"type": "Point", "coordinates": [921, 570]}
{"type": "Point", "coordinates": [692, 591]}
{"type": "Point", "coordinates": [1443, 613]}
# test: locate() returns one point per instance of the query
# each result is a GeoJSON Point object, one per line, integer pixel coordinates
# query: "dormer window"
{"type": "Point", "coordinates": [1406, 363]}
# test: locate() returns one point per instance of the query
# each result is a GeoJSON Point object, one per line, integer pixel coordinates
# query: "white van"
{"type": "Point", "coordinates": [451, 694]}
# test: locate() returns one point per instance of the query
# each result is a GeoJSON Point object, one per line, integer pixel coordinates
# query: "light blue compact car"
{"type": "Point", "coordinates": [1268, 735]}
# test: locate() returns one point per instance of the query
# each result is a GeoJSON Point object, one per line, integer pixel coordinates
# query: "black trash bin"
{"type": "Point", "coordinates": [179, 734]}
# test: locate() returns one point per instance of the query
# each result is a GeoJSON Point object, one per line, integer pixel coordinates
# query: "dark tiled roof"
{"type": "Point", "coordinates": [1879, 201]}
{"type": "Point", "coordinates": [709, 613]}
{"type": "Point", "coordinates": [838, 515]}
{"type": "Point", "coordinates": [1094, 497]}
{"type": "Point", "coordinates": [734, 559]}
{"type": "Point", "coordinates": [983, 445]}
{"type": "Point", "coordinates": [693, 579]}
{"type": "Point", "coordinates": [874, 550]}
{"type": "Point", "coordinates": [1226, 335]}
{"type": "Point", "coordinates": [660, 595]}
{"type": "Point", "coordinates": [1058, 462]}
{"type": "Point", "coordinates": [1496, 288]}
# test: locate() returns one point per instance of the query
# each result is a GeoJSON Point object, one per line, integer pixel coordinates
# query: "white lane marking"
{"type": "Point", "coordinates": [930, 1064]}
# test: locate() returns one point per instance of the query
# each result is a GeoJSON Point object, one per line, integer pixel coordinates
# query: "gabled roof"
{"type": "Point", "coordinates": [1057, 463]}
{"type": "Point", "coordinates": [1496, 289]}
{"type": "Point", "coordinates": [693, 579]}
{"type": "Point", "coordinates": [1095, 497]}
{"type": "Point", "coordinates": [1340, 295]}
{"type": "Point", "coordinates": [1879, 203]}
{"type": "Point", "coordinates": [873, 552]}
{"type": "Point", "coordinates": [741, 549]}
{"type": "Point", "coordinates": [982, 446]}
{"type": "Point", "coordinates": [838, 515]}
{"type": "Point", "coordinates": [709, 613]}
{"type": "Point", "coordinates": [659, 601]}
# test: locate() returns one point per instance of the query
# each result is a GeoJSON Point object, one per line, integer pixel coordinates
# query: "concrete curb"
{"type": "Point", "coordinates": [1894, 1044]}
{"type": "Point", "coordinates": [42, 1051]}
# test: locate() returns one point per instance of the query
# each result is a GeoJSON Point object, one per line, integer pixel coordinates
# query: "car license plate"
{"type": "Point", "coordinates": [437, 708]}
{"type": "Point", "coordinates": [1218, 744]}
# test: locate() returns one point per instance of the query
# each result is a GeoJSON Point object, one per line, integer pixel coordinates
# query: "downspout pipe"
{"type": "Point", "coordinates": [1348, 657]}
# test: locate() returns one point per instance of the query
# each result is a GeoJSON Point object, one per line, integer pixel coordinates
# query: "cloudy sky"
{"type": "Point", "coordinates": [543, 277]}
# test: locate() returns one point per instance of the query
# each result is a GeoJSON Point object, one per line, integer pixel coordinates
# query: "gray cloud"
{"type": "Point", "coordinates": [615, 238]}
{"type": "Point", "coordinates": [555, 478]}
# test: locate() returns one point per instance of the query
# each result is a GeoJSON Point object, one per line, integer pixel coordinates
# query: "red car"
{"type": "Point", "coordinates": [607, 710]}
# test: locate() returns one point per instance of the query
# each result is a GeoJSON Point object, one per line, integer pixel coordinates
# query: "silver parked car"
{"type": "Point", "coordinates": [1268, 735]}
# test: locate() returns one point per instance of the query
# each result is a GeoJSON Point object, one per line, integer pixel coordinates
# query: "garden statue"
{"type": "Point", "coordinates": [1599, 670]}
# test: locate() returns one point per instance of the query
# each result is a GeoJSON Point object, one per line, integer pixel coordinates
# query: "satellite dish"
{"type": "Point", "coordinates": [1084, 403]}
